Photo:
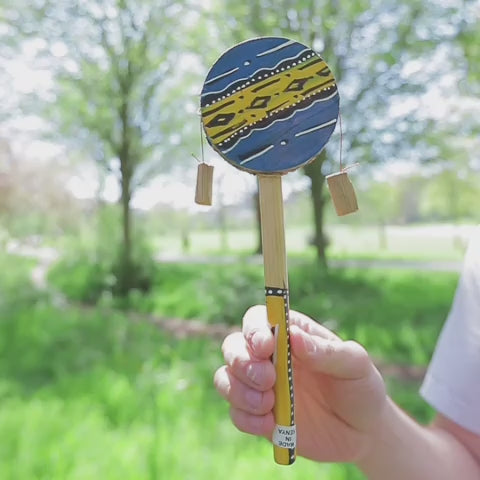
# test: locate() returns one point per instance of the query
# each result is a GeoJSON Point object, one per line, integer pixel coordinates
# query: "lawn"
{"type": "Point", "coordinates": [89, 393]}
{"type": "Point", "coordinates": [89, 396]}
{"type": "Point", "coordinates": [396, 314]}
{"type": "Point", "coordinates": [419, 242]}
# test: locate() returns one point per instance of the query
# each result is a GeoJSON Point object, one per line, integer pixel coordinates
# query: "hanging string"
{"type": "Point", "coordinates": [342, 168]}
{"type": "Point", "coordinates": [201, 146]}
{"type": "Point", "coordinates": [201, 140]}
{"type": "Point", "coordinates": [341, 140]}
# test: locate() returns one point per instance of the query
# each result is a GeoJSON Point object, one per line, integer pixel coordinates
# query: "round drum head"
{"type": "Point", "coordinates": [269, 105]}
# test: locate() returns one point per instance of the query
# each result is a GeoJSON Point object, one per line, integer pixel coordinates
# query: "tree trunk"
{"type": "Point", "coordinates": [185, 236]}
{"type": "Point", "coordinates": [127, 237]}
{"type": "Point", "coordinates": [314, 171]}
{"type": "Point", "coordinates": [125, 280]}
{"type": "Point", "coordinates": [258, 227]}
{"type": "Point", "coordinates": [125, 262]}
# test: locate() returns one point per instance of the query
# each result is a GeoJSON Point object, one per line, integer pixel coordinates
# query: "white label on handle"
{"type": "Point", "coordinates": [285, 437]}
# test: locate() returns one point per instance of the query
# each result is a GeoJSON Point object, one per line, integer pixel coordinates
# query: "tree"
{"type": "Point", "coordinates": [453, 185]}
{"type": "Point", "coordinates": [118, 89]}
{"type": "Point", "coordinates": [468, 39]}
{"type": "Point", "coordinates": [377, 51]}
{"type": "Point", "coordinates": [34, 199]}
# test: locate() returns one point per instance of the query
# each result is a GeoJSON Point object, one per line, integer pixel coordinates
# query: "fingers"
{"type": "Point", "coordinates": [310, 326]}
{"type": "Point", "coordinates": [240, 396]}
{"type": "Point", "coordinates": [257, 332]}
{"type": "Point", "coordinates": [248, 354]}
{"type": "Point", "coordinates": [258, 335]}
{"type": "Point", "coordinates": [344, 360]}
{"type": "Point", "coordinates": [255, 373]}
{"type": "Point", "coordinates": [261, 425]}
{"type": "Point", "coordinates": [247, 379]}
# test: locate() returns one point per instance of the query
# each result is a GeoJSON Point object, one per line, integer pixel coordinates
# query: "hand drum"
{"type": "Point", "coordinates": [269, 106]}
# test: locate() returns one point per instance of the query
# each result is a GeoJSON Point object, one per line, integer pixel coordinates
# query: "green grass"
{"type": "Point", "coordinates": [87, 393]}
{"type": "Point", "coordinates": [422, 242]}
{"type": "Point", "coordinates": [397, 315]}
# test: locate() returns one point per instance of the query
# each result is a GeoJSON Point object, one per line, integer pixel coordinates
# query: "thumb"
{"type": "Point", "coordinates": [257, 332]}
{"type": "Point", "coordinates": [344, 360]}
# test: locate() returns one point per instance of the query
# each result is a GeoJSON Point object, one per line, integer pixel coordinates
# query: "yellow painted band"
{"type": "Point", "coordinates": [279, 98]}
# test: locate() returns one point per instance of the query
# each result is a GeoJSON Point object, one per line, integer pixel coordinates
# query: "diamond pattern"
{"type": "Point", "coordinates": [325, 72]}
{"type": "Point", "coordinates": [260, 102]}
{"type": "Point", "coordinates": [220, 120]}
{"type": "Point", "coordinates": [297, 85]}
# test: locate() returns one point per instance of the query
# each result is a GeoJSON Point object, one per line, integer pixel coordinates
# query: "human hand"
{"type": "Point", "coordinates": [339, 394]}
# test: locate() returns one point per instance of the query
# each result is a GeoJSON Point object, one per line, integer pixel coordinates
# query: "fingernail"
{"type": "Point", "coordinates": [252, 373]}
{"type": "Point", "coordinates": [258, 339]}
{"type": "Point", "coordinates": [254, 398]}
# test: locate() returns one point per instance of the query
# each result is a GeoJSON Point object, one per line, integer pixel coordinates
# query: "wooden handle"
{"type": "Point", "coordinates": [276, 292]}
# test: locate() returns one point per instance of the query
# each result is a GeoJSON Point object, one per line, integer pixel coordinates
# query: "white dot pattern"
{"type": "Point", "coordinates": [284, 293]}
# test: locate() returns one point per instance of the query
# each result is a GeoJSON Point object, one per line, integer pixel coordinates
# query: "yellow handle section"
{"type": "Point", "coordinates": [284, 435]}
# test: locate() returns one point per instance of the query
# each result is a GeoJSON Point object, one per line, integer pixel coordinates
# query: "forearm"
{"type": "Point", "coordinates": [403, 449]}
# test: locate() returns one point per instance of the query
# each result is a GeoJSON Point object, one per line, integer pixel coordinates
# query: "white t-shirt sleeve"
{"type": "Point", "coordinates": [452, 382]}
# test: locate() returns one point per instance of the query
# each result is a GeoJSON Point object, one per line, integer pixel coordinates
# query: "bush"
{"type": "Point", "coordinates": [15, 284]}
{"type": "Point", "coordinates": [94, 267]}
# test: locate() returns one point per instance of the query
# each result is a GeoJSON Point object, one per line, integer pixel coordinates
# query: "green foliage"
{"type": "Point", "coordinates": [118, 94]}
{"type": "Point", "coordinates": [369, 46]}
{"type": "Point", "coordinates": [88, 393]}
{"type": "Point", "coordinates": [85, 394]}
{"type": "Point", "coordinates": [397, 315]}
{"type": "Point", "coordinates": [93, 264]}
{"type": "Point", "coordinates": [469, 41]}
{"type": "Point", "coordinates": [380, 202]}
{"type": "Point", "coordinates": [83, 277]}
{"type": "Point", "coordinates": [385, 56]}
{"type": "Point", "coordinates": [445, 196]}
{"type": "Point", "coordinates": [452, 193]}
{"type": "Point", "coordinates": [34, 197]}
{"type": "Point", "coordinates": [15, 285]}
{"type": "Point", "coordinates": [219, 293]}
{"type": "Point", "coordinates": [405, 394]}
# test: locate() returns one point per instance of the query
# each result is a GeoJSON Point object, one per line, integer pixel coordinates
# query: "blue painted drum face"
{"type": "Point", "coordinates": [269, 105]}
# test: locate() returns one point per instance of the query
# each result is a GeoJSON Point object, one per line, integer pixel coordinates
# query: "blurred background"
{"type": "Point", "coordinates": [116, 289]}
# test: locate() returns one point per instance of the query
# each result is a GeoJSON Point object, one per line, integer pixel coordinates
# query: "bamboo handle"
{"type": "Point", "coordinates": [277, 300]}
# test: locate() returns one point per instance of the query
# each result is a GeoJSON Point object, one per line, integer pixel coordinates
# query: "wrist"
{"type": "Point", "coordinates": [400, 448]}
{"type": "Point", "coordinates": [381, 437]}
